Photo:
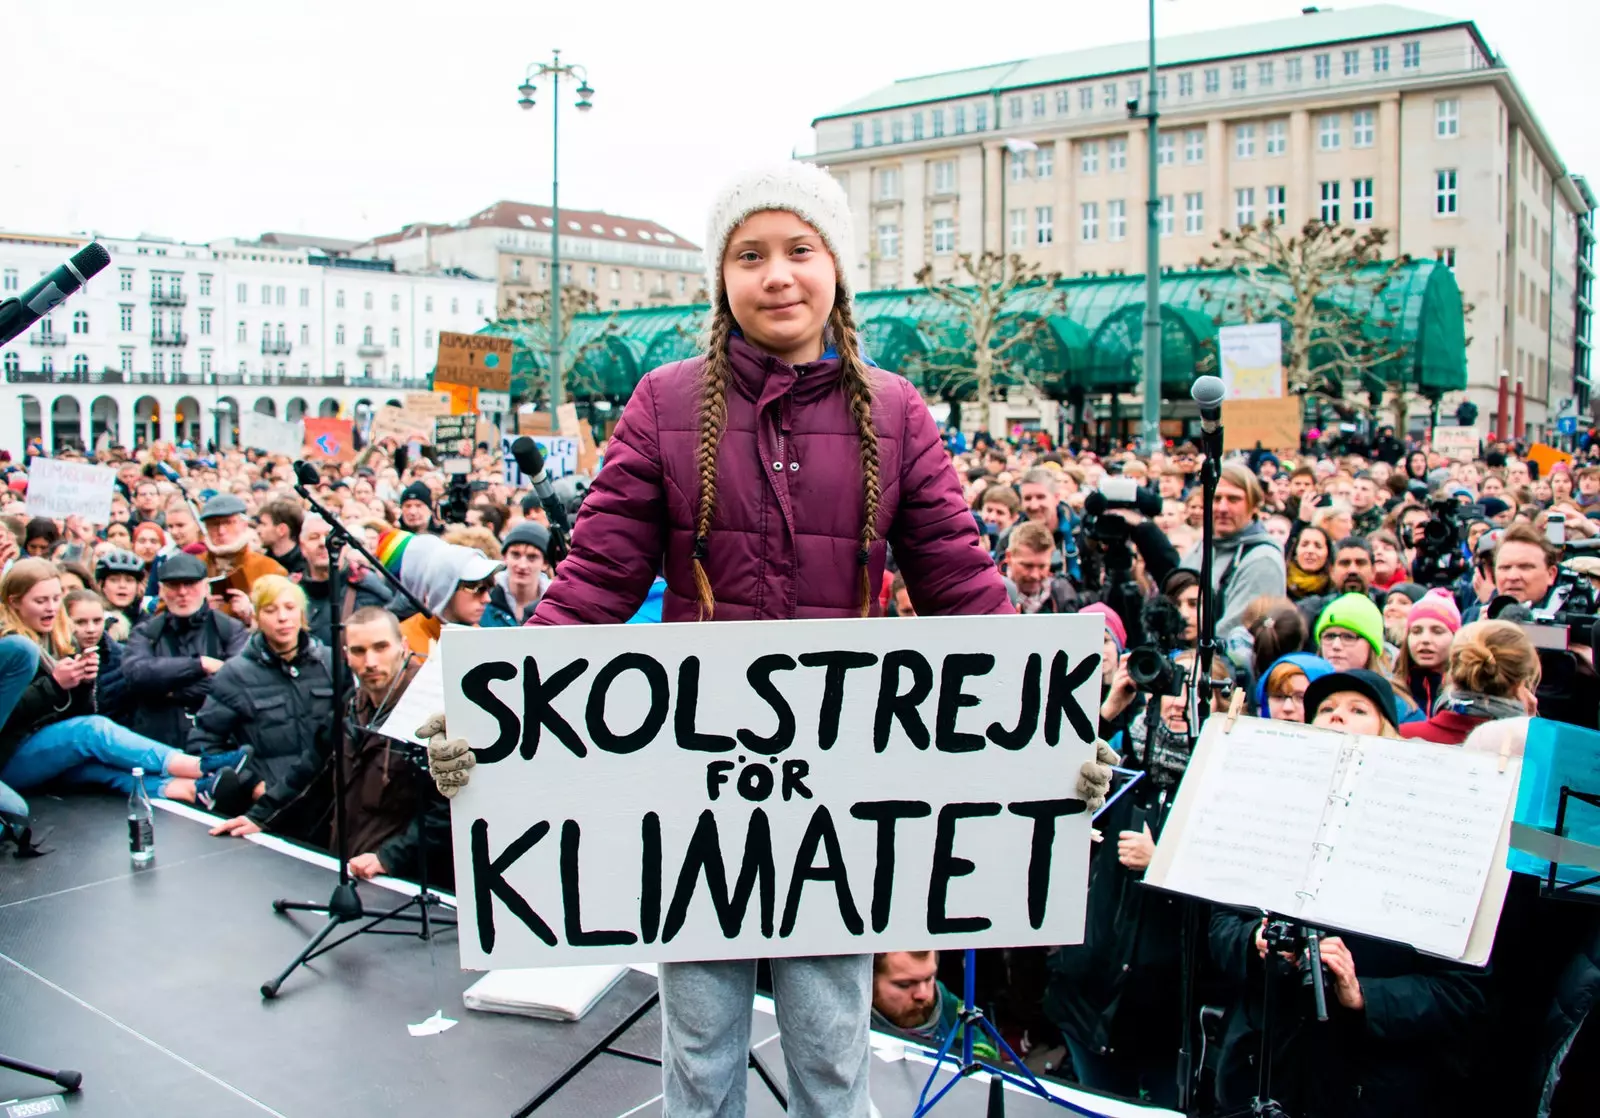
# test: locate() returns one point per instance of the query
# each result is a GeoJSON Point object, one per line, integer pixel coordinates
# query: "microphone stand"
{"type": "Point", "coordinates": [345, 906]}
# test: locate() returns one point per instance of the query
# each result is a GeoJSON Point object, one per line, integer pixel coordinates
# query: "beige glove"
{"type": "Point", "coordinates": [449, 762]}
{"type": "Point", "coordinates": [1094, 778]}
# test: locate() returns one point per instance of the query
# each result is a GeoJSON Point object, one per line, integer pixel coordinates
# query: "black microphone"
{"type": "Point", "coordinates": [16, 315]}
{"type": "Point", "coordinates": [530, 460]}
{"type": "Point", "coordinates": [1208, 392]}
{"type": "Point", "coordinates": [307, 474]}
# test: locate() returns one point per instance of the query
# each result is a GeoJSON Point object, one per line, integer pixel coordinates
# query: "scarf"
{"type": "Point", "coordinates": [1168, 751]}
{"type": "Point", "coordinates": [1471, 704]}
{"type": "Point", "coordinates": [1303, 584]}
{"type": "Point", "coordinates": [1033, 603]}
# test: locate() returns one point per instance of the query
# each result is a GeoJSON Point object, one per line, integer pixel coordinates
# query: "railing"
{"type": "Point", "coordinates": [169, 299]}
{"type": "Point", "coordinates": [175, 339]}
{"type": "Point", "coordinates": [280, 346]}
{"type": "Point", "coordinates": [47, 338]}
{"type": "Point", "coordinates": [70, 376]}
{"type": "Point", "coordinates": [268, 380]}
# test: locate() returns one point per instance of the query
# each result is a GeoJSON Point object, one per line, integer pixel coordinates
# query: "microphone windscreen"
{"type": "Point", "coordinates": [306, 474]}
{"type": "Point", "coordinates": [1208, 391]}
{"type": "Point", "coordinates": [91, 259]}
{"type": "Point", "coordinates": [530, 460]}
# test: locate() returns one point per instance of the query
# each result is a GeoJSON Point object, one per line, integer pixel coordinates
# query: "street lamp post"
{"type": "Point", "coordinates": [1151, 433]}
{"type": "Point", "coordinates": [555, 70]}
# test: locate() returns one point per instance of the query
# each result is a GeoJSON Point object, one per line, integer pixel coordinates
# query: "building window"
{"type": "Point", "coordinates": [394, 336]}
{"type": "Point", "coordinates": [366, 335]}
{"type": "Point", "coordinates": [338, 299]}
{"type": "Point", "coordinates": [1363, 129]}
{"type": "Point", "coordinates": [1135, 90]}
{"type": "Point", "coordinates": [1265, 72]}
{"type": "Point", "coordinates": [1045, 220]}
{"type": "Point", "coordinates": [614, 280]}
{"type": "Point", "coordinates": [889, 241]}
{"type": "Point", "coordinates": [205, 284]}
{"type": "Point", "coordinates": [1194, 214]}
{"type": "Point", "coordinates": [338, 334]}
{"type": "Point", "coordinates": [338, 368]}
{"type": "Point", "coordinates": [1244, 141]}
{"type": "Point", "coordinates": [1352, 63]}
{"type": "Point", "coordinates": [1014, 107]}
{"type": "Point", "coordinates": [857, 134]}
{"type": "Point", "coordinates": [938, 124]}
{"type": "Point", "coordinates": [1447, 118]}
{"type": "Point", "coordinates": [1086, 98]}
{"type": "Point", "coordinates": [1044, 162]}
{"type": "Point", "coordinates": [1019, 166]}
{"type": "Point", "coordinates": [916, 126]}
{"type": "Point", "coordinates": [1330, 203]}
{"type": "Point", "coordinates": [1090, 228]}
{"type": "Point", "coordinates": [1063, 101]}
{"type": "Point", "coordinates": [1330, 132]}
{"type": "Point", "coordinates": [266, 295]}
{"type": "Point", "coordinates": [427, 339]}
{"type": "Point", "coordinates": [1244, 206]}
{"type": "Point", "coordinates": [394, 301]}
{"type": "Point", "coordinates": [1380, 60]}
{"type": "Point", "coordinates": [1361, 200]}
{"type": "Point", "coordinates": [240, 334]}
{"type": "Point", "coordinates": [205, 361]}
{"type": "Point", "coordinates": [958, 119]}
{"type": "Point", "coordinates": [1213, 80]}
{"type": "Point", "coordinates": [1292, 71]}
{"type": "Point", "coordinates": [1276, 207]}
{"type": "Point", "coordinates": [1321, 67]}
{"type": "Point", "coordinates": [1410, 55]}
{"type": "Point", "coordinates": [1108, 95]}
{"type": "Point", "coordinates": [1038, 105]}
{"type": "Point", "coordinates": [1444, 192]}
{"type": "Point", "coordinates": [1277, 137]}
{"type": "Point", "coordinates": [593, 276]}
{"type": "Point", "coordinates": [305, 335]}
{"type": "Point", "coordinates": [205, 320]}
{"type": "Point", "coordinates": [1161, 86]}
{"type": "Point", "coordinates": [1236, 79]}
{"type": "Point", "coordinates": [124, 283]}
{"type": "Point", "coordinates": [1164, 215]}
{"type": "Point", "coordinates": [158, 364]}
{"type": "Point", "coordinates": [177, 364]}
{"type": "Point", "coordinates": [1116, 220]}
{"type": "Point", "coordinates": [1019, 228]}
{"type": "Point", "coordinates": [944, 236]}
{"type": "Point", "coordinates": [566, 277]}
{"type": "Point", "coordinates": [888, 184]}
{"type": "Point", "coordinates": [305, 296]}
{"type": "Point", "coordinates": [80, 362]}
{"type": "Point", "coordinates": [896, 132]}
{"type": "Point", "coordinates": [241, 294]}
{"type": "Point", "coordinates": [877, 132]}
{"type": "Point", "coordinates": [125, 318]}
{"type": "Point", "coordinates": [1194, 146]}
{"type": "Point", "coordinates": [1116, 155]}
{"type": "Point", "coordinates": [1185, 85]}
{"type": "Point", "coordinates": [1089, 157]}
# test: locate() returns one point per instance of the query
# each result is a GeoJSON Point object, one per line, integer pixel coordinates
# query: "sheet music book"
{"type": "Point", "coordinates": [1399, 839]}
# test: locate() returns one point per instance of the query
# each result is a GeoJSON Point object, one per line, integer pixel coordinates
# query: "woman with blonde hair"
{"type": "Point", "coordinates": [54, 731]}
{"type": "Point", "coordinates": [272, 698]}
{"type": "Point", "coordinates": [1492, 673]}
{"type": "Point", "coordinates": [1353, 702]}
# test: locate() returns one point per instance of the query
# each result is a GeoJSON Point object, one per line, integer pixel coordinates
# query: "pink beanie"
{"type": "Point", "coordinates": [1118, 632]}
{"type": "Point", "coordinates": [1438, 605]}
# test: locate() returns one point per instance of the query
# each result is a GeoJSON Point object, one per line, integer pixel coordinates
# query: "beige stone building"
{"type": "Point", "coordinates": [624, 262]}
{"type": "Point", "coordinates": [1378, 116]}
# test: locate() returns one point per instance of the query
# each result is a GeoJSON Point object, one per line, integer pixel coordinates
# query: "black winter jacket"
{"type": "Point", "coordinates": [110, 688]}
{"type": "Point", "coordinates": [161, 667]}
{"type": "Point", "coordinates": [43, 703]}
{"type": "Point", "coordinates": [370, 591]}
{"type": "Point", "coordinates": [275, 706]}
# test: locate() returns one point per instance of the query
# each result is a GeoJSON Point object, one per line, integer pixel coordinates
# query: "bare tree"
{"type": "Point", "coordinates": [526, 317]}
{"type": "Point", "coordinates": [994, 321]}
{"type": "Point", "coordinates": [1327, 284]}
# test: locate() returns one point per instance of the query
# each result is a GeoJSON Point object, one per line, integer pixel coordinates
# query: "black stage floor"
{"type": "Point", "coordinates": [148, 983]}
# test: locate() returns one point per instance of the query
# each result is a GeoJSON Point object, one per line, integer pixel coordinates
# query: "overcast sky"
{"type": "Point", "coordinates": [349, 118]}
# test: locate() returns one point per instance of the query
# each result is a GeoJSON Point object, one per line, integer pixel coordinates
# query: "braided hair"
{"type": "Point", "coordinates": [856, 379]}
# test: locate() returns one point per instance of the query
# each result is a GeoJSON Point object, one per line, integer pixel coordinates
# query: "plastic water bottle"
{"type": "Point", "coordinates": [141, 823]}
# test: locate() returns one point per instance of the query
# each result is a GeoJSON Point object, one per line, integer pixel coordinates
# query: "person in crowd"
{"type": "Point", "coordinates": [900, 598]}
{"type": "Point", "coordinates": [1334, 518]}
{"type": "Point", "coordinates": [1181, 587]}
{"type": "Point", "coordinates": [278, 525]}
{"type": "Point", "coordinates": [1397, 603]}
{"type": "Point", "coordinates": [452, 581]}
{"type": "Point", "coordinates": [1388, 564]}
{"type": "Point", "coordinates": [228, 555]}
{"type": "Point", "coordinates": [1366, 511]}
{"type": "Point", "coordinates": [1492, 672]}
{"type": "Point", "coordinates": [1349, 633]}
{"type": "Point", "coordinates": [1029, 581]}
{"type": "Point", "coordinates": [182, 526]}
{"type": "Point", "coordinates": [87, 612]}
{"type": "Point", "coordinates": [909, 999]}
{"type": "Point", "coordinates": [74, 576]}
{"type": "Point", "coordinates": [1281, 688]}
{"type": "Point", "coordinates": [782, 337]}
{"type": "Point", "coordinates": [523, 579]}
{"type": "Point", "coordinates": [1041, 504]}
{"type": "Point", "coordinates": [1246, 564]}
{"type": "Point", "coordinates": [119, 536]}
{"type": "Point", "coordinates": [1560, 481]}
{"type": "Point", "coordinates": [1308, 569]}
{"type": "Point", "coordinates": [1355, 701]}
{"type": "Point", "coordinates": [41, 537]}
{"type": "Point", "coordinates": [120, 575]}
{"type": "Point", "coordinates": [1276, 629]}
{"type": "Point", "coordinates": [1525, 566]}
{"type": "Point", "coordinates": [276, 699]}
{"type": "Point", "coordinates": [1000, 508]}
{"type": "Point", "coordinates": [1280, 528]}
{"type": "Point", "coordinates": [173, 654]}
{"type": "Point", "coordinates": [147, 502]}
{"type": "Point", "coordinates": [53, 734]}
{"type": "Point", "coordinates": [149, 540]}
{"type": "Point", "coordinates": [416, 509]}
{"type": "Point", "coordinates": [357, 589]}
{"type": "Point", "coordinates": [1431, 624]}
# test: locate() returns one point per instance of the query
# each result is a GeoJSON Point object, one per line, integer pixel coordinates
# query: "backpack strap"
{"type": "Point", "coordinates": [1221, 594]}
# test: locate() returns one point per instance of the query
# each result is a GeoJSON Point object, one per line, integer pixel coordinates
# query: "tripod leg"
{"type": "Point", "coordinates": [270, 989]}
{"type": "Point", "coordinates": [64, 1078]}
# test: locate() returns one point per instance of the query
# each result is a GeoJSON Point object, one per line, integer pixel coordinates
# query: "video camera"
{"type": "Point", "coordinates": [1304, 944]}
{"type": "Point", "coordinates": [1440, 560]}
{"type": "Point", "coordinates": [1150, 664]}
{"type": "Point", "coordinates": [1116, 493]}
{"type": "Point", "coordinates": [459, 491]}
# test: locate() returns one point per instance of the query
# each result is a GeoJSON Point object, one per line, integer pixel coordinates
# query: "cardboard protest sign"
{"type": "Point", "coordinates": [330, 439]}
{"type": "Point", "coordinates": [427, 405]}
{"type": "Point", "coordinates": [258, 431]}
{"type": "Point", "coordinates": [560, 457]}
{"type": "Point", "coordinates": [493, 403]}
{"type": "Point", "coordinates": [450, 431]}
{"type": "Point", "coordinates": [769, 789]}
{"type": "Point", "coordinates": [392, 422]}
{"type": "Point", "coordinates": [1251, 364]}
{"type": "Point", "coordinates": [1460, 443]}
{"type": "Point", "coordinates": [61, 489]}
{"type": "Point", "coordinates": [1547, 457]}
{"type": "Point", "coordinates": [1274, 424]}
{"type": "Point", "coordinates": [474, 361]}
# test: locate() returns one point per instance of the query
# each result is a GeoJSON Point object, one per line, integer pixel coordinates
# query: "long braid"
{"type": "Point", "coordinates": [713, 420]}
{"type": "Point", "coordinates": [858, 388]}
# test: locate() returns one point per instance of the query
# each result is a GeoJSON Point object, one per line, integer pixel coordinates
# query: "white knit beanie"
{"type": "Point", "coordinates": [803, 189]}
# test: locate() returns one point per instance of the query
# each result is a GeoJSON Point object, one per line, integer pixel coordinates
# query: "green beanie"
{"type": "Point", "coordinates": [1356, 613]}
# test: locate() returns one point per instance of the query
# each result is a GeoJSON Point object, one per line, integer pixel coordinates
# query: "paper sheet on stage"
{"type": "Point", "coordinates": [422, 700]}
{"type": "Point", "coordinates": [549, 993]}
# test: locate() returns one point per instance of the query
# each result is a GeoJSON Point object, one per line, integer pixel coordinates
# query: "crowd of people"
{"type": "Point", "coordinates": [1375, 588]}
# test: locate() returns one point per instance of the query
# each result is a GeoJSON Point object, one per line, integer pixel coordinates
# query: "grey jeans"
{"type": "Point", "coordinates": [823, 1003]}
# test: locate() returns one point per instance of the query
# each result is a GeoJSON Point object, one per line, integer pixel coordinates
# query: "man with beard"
{"type": "Point", "coordinates": [229, 556]}
{"type": "Point", "coordinates": [1350, 571]}
{"type": "Point", "coordinates": [908, 998]}
{"type": "Point", "coordinates": [320, 586]}
{"type": "Point", "coordinates": [1246, 563]}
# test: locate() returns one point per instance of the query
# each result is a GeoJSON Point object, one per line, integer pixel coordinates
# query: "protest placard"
{"type": "Point", "coordinates": [330, 439]}
{"type": "Point", "coordinates": [1251, 364]}
{"type": "Point", "coordinates": [428, 405]}
{"type": "Point", "coordinates": [269, 434]}
{"type": "Point", "coordinates": [1460, 443]}
{"type": "Point", "coordinates": [450, 431]}
{"type": "Point", "coordinates": [390, 421]}
{"type": "Point", "coordinates": [769, 789]}
{"type": "Point", "coordinates": [560, 457]}
{"type": "Point", "coordinates": [61, 489]}
{"type": "Point", "coordinates": [473, 361]}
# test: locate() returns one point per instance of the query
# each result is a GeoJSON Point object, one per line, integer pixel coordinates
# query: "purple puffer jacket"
{"type": "Point", "coordinates": [785, 536]}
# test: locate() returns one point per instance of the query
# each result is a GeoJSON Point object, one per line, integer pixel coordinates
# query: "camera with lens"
{"type": "Point", "coordinates": [458, 493]}
{"type": "Point", "coordinates": [1304, 945]}
{"type": "Point", "coordinates": [1440, 560]}
{"type": "Point", "coordinates": [1116, 493]}
{"type": "Point", "coordinates": [1150, 664]}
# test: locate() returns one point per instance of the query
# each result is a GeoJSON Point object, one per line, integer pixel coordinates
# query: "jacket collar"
{"type": "Point", "coordinates": [762, 378]}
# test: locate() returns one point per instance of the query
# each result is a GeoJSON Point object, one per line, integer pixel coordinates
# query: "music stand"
{"type": "Point", "coordinates": [345, 906]}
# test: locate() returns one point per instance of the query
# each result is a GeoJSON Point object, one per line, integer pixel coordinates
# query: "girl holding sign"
{"type": "Point", "coordinates": [765, 480]}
